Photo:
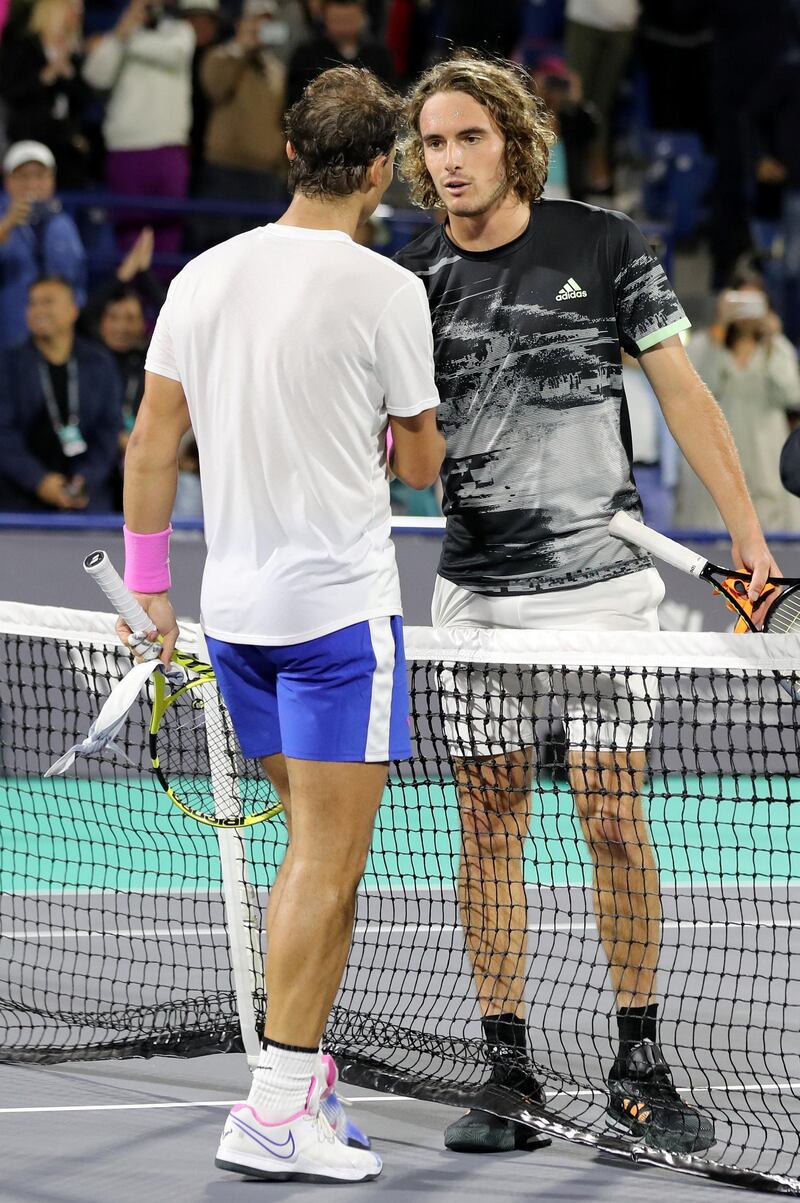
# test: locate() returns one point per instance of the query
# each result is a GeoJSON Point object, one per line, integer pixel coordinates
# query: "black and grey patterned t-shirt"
{"type": "Point", "coordinates": [527, 346]}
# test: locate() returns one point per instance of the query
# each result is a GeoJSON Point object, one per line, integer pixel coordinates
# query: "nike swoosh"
{"type": "Point", "coordinates": [271, 1146]}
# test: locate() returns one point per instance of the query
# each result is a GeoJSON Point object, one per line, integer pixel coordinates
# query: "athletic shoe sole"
{"type": "Point", "coordinates": [250, 1169]}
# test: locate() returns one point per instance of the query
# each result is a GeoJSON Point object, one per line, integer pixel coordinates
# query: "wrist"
{"type": "Point", "coordinates": [147, 561]}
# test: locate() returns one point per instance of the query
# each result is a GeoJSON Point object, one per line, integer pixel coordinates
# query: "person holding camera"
{"type": "Point", "coordinates": [751, 368]}
{"type": "Point", "coordinates": [41, 83]}
{"type": "Point", "coordinates": [36, 237]}
{"type": "Point", "coordinates": [145, 66]}
{"type": "Point", "coordinates": [245, 83]}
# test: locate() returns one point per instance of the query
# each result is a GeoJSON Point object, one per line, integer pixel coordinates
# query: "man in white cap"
{"type": "Point", "coordinates": [36, 238]}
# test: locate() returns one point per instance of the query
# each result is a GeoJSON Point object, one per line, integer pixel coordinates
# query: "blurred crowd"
{"type": "Point", "coordinates": [683, 111]}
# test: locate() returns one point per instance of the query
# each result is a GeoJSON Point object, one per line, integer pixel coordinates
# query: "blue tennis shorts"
{"type": "Point", "coordinates": [342, 697]}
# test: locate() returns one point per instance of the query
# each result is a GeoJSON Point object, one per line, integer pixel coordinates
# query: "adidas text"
{"type": "Point", "coordinates": [571, 291]}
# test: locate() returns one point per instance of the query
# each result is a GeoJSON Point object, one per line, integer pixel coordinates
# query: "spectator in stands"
{"type": "Point", "coordinates": [597, 43]}
{"type": "Point", "coordinates": [145, 64]}
{"type": "Point", "coordinates": [41, 83]}
{"type": "Point", "coordinates": [775, 105]}
{"type": "Point", "coordinates": [59, 411]}
{"type": "Point", "coordinates": [204, 18]}
{"type": "Point", "coordinates": [492, 25]}
{"type": "Point", "coordinates": [245, 82]}
{"type": "Point", "coordinates": [790, 463]}
{"type": "Point", "coordinates": [752, 370]}
{"type": "Point", "coordinates": [674, 46]}
{"type": "Point", "coordinates": [344, 40]}
{"type": "Point", "coordinates": [116, 316]}
{"type": "Point", "coordinates": [745, 48]}
{"type": "Point", "coordinates": [36, 238]}
{"type": "Point", "coordinates": [575, 125]}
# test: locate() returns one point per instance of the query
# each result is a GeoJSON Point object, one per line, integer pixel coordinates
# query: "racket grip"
{"type": "Point", "coordinates": [98, 565]}
{"type": "Point", "coordinates": [622, 526]}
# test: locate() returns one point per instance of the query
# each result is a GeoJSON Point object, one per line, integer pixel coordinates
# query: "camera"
{"type": "Point", "coordinates": [744, 304]}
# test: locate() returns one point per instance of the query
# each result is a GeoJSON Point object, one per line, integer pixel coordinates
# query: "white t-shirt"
{"type": "Point", "coordinates": [292, 347]}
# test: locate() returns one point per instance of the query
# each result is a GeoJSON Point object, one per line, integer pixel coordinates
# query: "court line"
{"type": "Point", "coordinates": [384, 1098]}
{"type": "Point", "coordinates": [737, 1088]}
{"type": "Point", "coordinates": [398, 891]}
{"type": "Point", "coordinates": [33, 935]}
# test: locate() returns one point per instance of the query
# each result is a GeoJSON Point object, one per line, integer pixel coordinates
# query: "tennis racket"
{"type": "Point", "coordinates": [194, 753]}
{"type": "Point", "coordinates": [783, 614]}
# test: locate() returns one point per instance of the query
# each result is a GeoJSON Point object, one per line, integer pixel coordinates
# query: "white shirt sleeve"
{"type": "Point", "coordinates": [161, 352]}
{"type": "Point", "coordinates": [404, 353]}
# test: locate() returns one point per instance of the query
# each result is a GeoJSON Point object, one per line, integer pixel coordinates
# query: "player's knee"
{"type": "Point", "coordinates": [604, 821]}
{"type": "Point", "coordinates": [488, 830]}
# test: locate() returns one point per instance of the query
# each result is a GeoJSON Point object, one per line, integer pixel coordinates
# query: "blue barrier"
{"type": "Point", "coordinates": [411, 526]}
{"type": "Point", "coordinates": [93, 211]}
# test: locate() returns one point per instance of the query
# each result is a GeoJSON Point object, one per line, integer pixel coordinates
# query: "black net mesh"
{"type": "Point", "coordinates": [563, 841]}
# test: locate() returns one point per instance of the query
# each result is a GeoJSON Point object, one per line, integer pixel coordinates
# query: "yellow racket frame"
{"type": "Point", "coordinates": [163, 698]}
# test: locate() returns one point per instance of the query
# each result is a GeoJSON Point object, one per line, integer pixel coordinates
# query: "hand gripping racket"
{"type": "Point", "coordinates": [783, 614]}
{"type": "Point", "coordinates": [194, 752]}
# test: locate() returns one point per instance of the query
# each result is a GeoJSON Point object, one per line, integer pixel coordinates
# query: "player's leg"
{"type": "Point", "coordinates": [345, 1127]}
{"type": "Point", "coordinates": [489, 731]}
{"type": "Point", "coordinates": [333, 813]}
{"type": "Point", "coordinates": [340, 702]}
{"type": "Point", "coordinates": [607, 784]}
{"type": "Point", "coordinates": [494, 807]}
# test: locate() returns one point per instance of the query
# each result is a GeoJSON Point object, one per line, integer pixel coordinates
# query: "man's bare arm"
{"type": "Point", "coordinates": [419, 449]}
{"type": "Point", "coordinates": [151, 461]}
{"type": "Point", "coordinates": [703, 435]}
{"type": "Point", "coordinates": [151, 480]}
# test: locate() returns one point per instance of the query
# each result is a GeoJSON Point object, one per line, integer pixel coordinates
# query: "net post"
{"type": "Point", "coordinates": [241, 901]}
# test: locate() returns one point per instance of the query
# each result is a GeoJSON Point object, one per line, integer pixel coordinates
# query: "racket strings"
{"type": "Point", "coordinates": [203, 765]}
{"type": "Point", "coordinates": [785, 614]}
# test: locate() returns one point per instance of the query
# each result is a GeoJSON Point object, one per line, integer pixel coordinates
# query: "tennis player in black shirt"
{"type": "Point", "coordinates": [532, 302]}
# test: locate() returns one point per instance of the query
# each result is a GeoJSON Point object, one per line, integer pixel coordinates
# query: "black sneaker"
{"type": "Point", "coordinates": [643, 1101]}
{"type": "Point", "coordinates": [482, 1132]}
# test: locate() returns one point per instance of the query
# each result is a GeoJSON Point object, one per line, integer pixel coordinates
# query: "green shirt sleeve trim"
{"type": "Point", "coordinates": [658, 336]}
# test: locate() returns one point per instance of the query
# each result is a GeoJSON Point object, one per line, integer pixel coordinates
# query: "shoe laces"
{"type": "Point", "coordinates": [325, 1132]}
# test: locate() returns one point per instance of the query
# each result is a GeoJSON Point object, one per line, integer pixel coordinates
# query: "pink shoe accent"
{"type": "Point", "coordinates": [331, 1075]}
{"type": "Point", "coordinates": [274, 1123]}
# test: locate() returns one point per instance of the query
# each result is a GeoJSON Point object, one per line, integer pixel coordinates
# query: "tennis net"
{"type": "Point", "coordinates": [122, 934]}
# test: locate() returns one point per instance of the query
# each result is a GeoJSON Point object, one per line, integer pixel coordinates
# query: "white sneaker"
{"type": "Point", "coordinates": [332, 1107]}
{"type": "Point", "coordinates": [303, 1148]}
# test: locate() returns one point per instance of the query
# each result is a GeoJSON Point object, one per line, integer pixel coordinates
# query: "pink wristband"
{"type": "Point", "coordinates": [147, 561]}
{"type": "Point", "coordinates": [389, 445]}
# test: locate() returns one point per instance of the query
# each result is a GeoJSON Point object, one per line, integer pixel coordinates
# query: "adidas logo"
{"type": "Point", "coordinates": [571, 290]}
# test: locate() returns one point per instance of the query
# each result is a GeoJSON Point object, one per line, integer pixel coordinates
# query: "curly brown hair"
{"type": "Point", "coordinates": [516, 109]}
{"type": "Point", "coordinates": [345, 118]}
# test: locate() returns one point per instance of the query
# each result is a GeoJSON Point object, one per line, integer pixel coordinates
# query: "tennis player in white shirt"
{"type": "Point", "coordinates": [288, 350]}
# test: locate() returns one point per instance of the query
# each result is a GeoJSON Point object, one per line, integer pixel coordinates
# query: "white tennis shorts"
{"type": "Point", "coordinates": [487, 713]}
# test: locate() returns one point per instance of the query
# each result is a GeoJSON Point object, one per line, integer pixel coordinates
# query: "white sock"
{"type": "Point", "coordinates": [281, 1082]}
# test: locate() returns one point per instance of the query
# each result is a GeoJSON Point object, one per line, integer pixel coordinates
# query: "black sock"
{"type": "Point", "coordinates": [505, 1031]}
{"type": "Point", "coordinates": [507, 1038]}
{"type": "Point", "coordinates": [634, 1025]}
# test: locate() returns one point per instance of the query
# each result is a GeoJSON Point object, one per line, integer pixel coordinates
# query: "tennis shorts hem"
{"type": "Point", "coordinates": [342, 698]}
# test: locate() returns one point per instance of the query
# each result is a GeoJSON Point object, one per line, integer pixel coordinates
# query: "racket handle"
{"type": "Point", "coordinates": [98, 565]}
{"type": "Point", "coordinates": [622, 526]}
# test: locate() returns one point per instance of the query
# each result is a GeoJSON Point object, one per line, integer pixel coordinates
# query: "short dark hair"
{"type": "Point", "coordinates": [52, 279]}
{"type": "Point", "coordinates": [343, 121]}
{"type": "Point", "coordinates": [120, 291]}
